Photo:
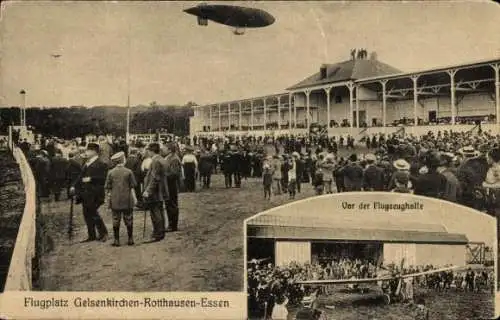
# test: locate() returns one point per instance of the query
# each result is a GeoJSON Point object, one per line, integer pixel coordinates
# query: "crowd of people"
{"type": "Point", "coordinates": [123, 178]}
{"type": "Point", "coordinates": [461, 167]}
{"type": "Point", "coordinates": [270, 285]}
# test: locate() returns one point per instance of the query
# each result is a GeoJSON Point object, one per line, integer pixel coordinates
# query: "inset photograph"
{"type": "Point", "coordinates": [377, 256]}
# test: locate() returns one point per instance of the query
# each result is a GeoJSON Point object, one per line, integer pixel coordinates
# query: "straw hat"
{"type": "Point", "coordinates": [401, 164]}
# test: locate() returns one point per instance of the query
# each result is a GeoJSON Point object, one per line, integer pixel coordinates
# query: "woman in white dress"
{"type": "Point", "coordinates": [279, 311]}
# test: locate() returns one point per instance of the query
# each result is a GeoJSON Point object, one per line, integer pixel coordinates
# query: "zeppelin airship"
{"type": "Point", "coordinates": [237, 17]}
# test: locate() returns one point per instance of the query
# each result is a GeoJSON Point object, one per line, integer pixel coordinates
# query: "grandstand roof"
{"type": "Point", "coordinates": [347, 70]}
{"type": "Point", "coordinates": [354, 227]}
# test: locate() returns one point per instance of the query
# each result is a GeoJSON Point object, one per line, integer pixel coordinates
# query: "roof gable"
{"type": "Point", "coordinates": [347, 70]}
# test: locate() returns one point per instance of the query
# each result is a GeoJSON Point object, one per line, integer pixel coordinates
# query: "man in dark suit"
{"type": "Point", "coordinates": [432, 183]}
{"type": "Point", "coordinates": [133, 162]}
{"type": "Point", "coordinates": [373, 176]}
{"type": "Point", "coordinates": [353, 174]}
{"type": "Point", "coordinates": [156, 191]}
{"type": "Point", "coordinates": [300, 171]}
{"type": "Point", "coordinates": [89, 189]}
{"type": "Point", "coordinates": [471, 175]}
{"type": "Point", "coordinates": [205, 167]}
{"type": "Point", "coordinates": [58, 173]}
{"type": "Point", "coordinates": [173, 172]}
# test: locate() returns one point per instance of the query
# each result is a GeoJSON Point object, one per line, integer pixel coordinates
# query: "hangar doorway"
{"type": "Point", "coordinates": [325, 252]}
{"type": "Point", "coordinates": [258, 248]}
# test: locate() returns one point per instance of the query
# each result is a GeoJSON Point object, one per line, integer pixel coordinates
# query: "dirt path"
{"type": "Point", "coordinates": [205, 255]}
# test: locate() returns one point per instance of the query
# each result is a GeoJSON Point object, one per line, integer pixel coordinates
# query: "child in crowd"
{"type": "Point", "coordinates": [318, 181]}
{"type": "Point", "coordinates": [402, 182]}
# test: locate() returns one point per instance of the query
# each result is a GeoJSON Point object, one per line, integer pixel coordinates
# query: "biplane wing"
{"type": "Point", "coordinates": [258, 261]}
{"type": "Point", "coordinates": [374, 280]}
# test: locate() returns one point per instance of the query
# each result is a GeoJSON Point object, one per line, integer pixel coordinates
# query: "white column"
{"type": "Point", "coordinates": [357, 107]}
{"type": "Point", "coordinates": [308, 119]}
{"type": "Point", "coordinates": [290, 112]}
{"type": "Point", "coordinates": [294, 115]}
{"type": "Point", "coordinates": [496, 67]}
{"type": "Point", "coordinates": [452, 90]}
{"type": "Point", "coordinates": [384, 103]}
{"type": "Point", "coordinates": [350, 86]}
{"type": "Point", "coordinates": [327, 92]}
{"type": "Point", "coordinates": [415, 99]}
{"type": "Point", "coordinates": [239, 116]}
{"type": "Point", "coordinates": [229, 116]}
{"type": "Point", "coordinates": [220, 120]}
{"type": "Point", "coordinates": [265, 113]}
{"type": "Point", "coordinates": [251, 114]}
{"type": "Point", "coordinates": [279, 113]}
{"type": "Point", "coordinates": [210, 118]}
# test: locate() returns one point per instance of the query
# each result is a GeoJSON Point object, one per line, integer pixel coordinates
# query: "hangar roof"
{"type": "Point", "coordinates": [352, 234]}
{"type": "Point", "coordinates": [350, 227]}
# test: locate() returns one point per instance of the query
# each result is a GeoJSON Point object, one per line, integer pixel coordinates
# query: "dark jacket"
{"type": "Point", "coordinates": [373, 179]}
{"type": "Point", "coordinates": [432, 184]}
{"type": "Point", "coordinates": [92, 192]}
{"type": "Point", "coordinates": [205, 165]}
{"type": "Point", "coordinates": [353, 177]}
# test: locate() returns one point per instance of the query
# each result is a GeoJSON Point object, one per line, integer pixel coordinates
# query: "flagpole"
{"type": "Point", "coordinates": [127, 135]}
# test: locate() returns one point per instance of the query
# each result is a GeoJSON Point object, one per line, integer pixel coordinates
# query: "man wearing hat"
{"type": "Point", "coordinates": [89, 189]}
{"type": "Point", "coordinates": [353, 174]}
{"type": "Point", "coordinates": [58, 172]}
{"type": "Point", "coordinates": [432, 183]}
{"type": "Point", "coordinates": [156, 191]}
{"type": "Point", "coordinates": [452, 190]}
{"type": "Point", "coordinates": [120, 184]}
{"type": "Point", "coordinates": [173, 172]}
{"type": "Point", "coordinates": [373, 176]}
{"type": "Point", "coordinates": [227, 167]}
{"type": "Point", "coordinates": [471, 174]}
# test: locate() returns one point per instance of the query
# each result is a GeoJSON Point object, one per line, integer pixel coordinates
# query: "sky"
{"type": "Point", "coordinates": [172, 60]}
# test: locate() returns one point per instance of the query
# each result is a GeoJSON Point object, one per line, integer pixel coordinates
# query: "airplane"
{"type": "Point", "coordinates": [237, 17]}
{"type": "Point", "coordinates": [56, 55]}
{"type": "Point", "coordinates": [258, 261]}
{"type": "Point", "coordinates": [390, 293]}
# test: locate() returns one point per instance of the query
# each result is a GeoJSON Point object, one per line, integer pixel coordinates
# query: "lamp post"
{"type": "Point", "coordinates": [23, 108]}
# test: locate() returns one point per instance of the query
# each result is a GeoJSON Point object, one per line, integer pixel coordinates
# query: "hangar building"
{"type": "Point", "coordinates": [309, 240]}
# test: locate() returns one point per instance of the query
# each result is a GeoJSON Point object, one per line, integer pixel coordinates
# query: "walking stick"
{"type": "Point", "coordinates": [144, 227]}
{"type": "Point", "coordinates": [70, 227]}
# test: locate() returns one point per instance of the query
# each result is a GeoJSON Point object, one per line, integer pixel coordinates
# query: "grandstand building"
{"type": "Point", "coordinates": [364, 96]}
